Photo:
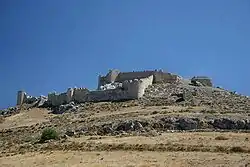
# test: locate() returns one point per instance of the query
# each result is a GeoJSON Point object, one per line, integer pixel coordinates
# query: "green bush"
{"type": "Point", "coordinates": [48, 134]}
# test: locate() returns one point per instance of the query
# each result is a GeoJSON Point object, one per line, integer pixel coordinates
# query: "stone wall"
{"type": "Point", "coordinates": [205, 81]}
{"type": "Point", "coordinates": [21, 96]}
{"type": "Point", "coordinates": [161, 77]}
{"type": "Point", "coordinates": [107, 95]}
{"type": "Point", "coordinates": [79, 94]}
{"type": "Point", "coordinates": [136, 88]}
{"type": "Point", "coordinates": [133, 75]}
{"type": "Point", "coordinates": [57, 99]}
{"type": "Point", "coordinates": [132, 89]}
{"type": "Point", "coordinates": [116, 76]}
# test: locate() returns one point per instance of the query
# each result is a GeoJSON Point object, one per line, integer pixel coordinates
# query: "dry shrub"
{"type": "Point", "coordinates": [221, 138]}
{"type": "Point", "coordinates": [1, 119]}
{"type": "Point", "coordinates": [237, 149]}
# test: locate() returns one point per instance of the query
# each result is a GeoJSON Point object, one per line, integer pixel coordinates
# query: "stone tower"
{"type": "Point", "coordinates": [21, 95]}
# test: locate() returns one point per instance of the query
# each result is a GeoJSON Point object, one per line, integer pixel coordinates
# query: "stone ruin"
{"type": "Point", "coordinates": [23, 98]}
{"type": "Point", "coordinates": [115, 86]}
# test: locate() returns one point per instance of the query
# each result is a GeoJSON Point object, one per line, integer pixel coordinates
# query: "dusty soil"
{"type": "Point", "coordinates": [126, 159]}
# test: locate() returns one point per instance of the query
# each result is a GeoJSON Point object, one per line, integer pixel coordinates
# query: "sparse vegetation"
{"type": "Point", "coordinates": [1, 119]}
{"type": "Point", "coordinates": [49, 134]}
{"type": "Point", "coordinates": [221, 138]}
{"type": "Point", "coordinates": [154, 112]}
{"type": "Point", "coordinates": [238, 149]}
{"type": "Point", "coordinates": [209, 111]}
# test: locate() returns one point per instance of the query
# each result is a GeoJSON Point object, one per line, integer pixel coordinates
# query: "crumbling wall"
{"type": "Point", "coordinates": [133, 75]}
{"type": "Point", "coordinates": [79, 94]}
{"type": "Point", "coordinates": [109, 78]}
{"type": "Point", "coordinates": [57, 99]}
{"type": "Point", "coordinates": [21, 96]}
{"type": "Point", "coordinates": [158, 77]}
{"type": "Point", "coordinates": [205, 81]}
{"type": "Point", "coordinates": [107, 95]}
{"type": "Point", "coordinates": [112, 75]}
{"type": "Point", "coordinates": [132, 89]}
{"type": "Point", "coordinates": [136, 88]}
{"type": "Point", "coordinates": [161, 77]}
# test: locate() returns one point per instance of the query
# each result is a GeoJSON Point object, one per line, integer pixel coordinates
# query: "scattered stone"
{"type": "Point", "coordinates": [41, 101]}
{"type": "Point", "coordinates": [70, 133]}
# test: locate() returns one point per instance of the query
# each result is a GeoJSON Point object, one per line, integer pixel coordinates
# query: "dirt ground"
{"type": "Point", "coordinates": [126, 159]}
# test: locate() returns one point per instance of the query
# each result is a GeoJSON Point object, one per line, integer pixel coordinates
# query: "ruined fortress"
{"type": "Point", "coordinates": [114, 86]}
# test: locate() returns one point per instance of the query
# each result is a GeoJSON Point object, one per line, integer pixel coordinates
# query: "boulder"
{"type": "Point", "coordinates": [70, 133]}
{"type": "Point", "coordinates": [138, 126]}
{"type": "Point", "coordinates": [187, 124]}
{"type": "Point", "coordinates": [225, 123]}
{"type": "Point", "coordinates": [41, 101]}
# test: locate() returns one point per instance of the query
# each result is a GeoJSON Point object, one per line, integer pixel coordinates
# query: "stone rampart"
{"type": "Point", "coordinates": [136, 88]}
{"type": "Point", "coordinates": [58, 99]}
{"type": "Point", "coordinates": [79, 94]}
{"type": "Point", "coordinates": [116, 76]}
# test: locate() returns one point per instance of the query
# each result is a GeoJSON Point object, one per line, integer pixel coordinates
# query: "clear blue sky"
{"type": "Point", "coordinates": [48, 45]}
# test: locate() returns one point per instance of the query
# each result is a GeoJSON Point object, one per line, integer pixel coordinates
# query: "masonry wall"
{"type": "Point", "coordinates": [79, 94]}
{"type": "Point", "coordinates": [116, 76]}
{"type": "Point", "coordinates": [21, 96]}
{"type": "Point", "coordinates": [160, 77]}
{"type": "Point", "coordinates": [112, 76]}
{"type": "Point", "coordinates": [133, 75]}
{"type": "Point", "coordinates": [136, 88]}
{"type": "Point", "coordinates": [107, 95]}
{"type": "Point", "coordinates": [57, 99]}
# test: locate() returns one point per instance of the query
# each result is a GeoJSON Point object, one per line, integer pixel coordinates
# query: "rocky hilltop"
{"type": "Point", "coordinates": [153, 104]}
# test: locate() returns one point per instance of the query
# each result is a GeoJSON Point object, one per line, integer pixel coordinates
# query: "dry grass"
{"type": "Point", "coordinates": [189, 139]}
{"type": "Point", "coordinates": [125, 159]}
{"type": "Point", "coordinates": [148, 149]}
{"type": "Point", "coordinates": [26, 118]}
{"type": "Point", "coordinates": [221, 138]}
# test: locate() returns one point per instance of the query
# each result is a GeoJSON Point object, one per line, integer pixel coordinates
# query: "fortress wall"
{"type": "Point", "coordinates": [110, 77]}
{"type": "Point", "coordinates": [160, 77]}
{"type": "Point", "coordinates": [133, 75]}
{"type": "Point", "coordinates": [79, 94]}
{"type": "Point", "coordinates": [107, 95]}
{"type": "Point", "coordinates": [116, 76]}
{"type": "Point", "coordinates": [57, 99]}
{"type": "Point", "coordinates": [136, 88]}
